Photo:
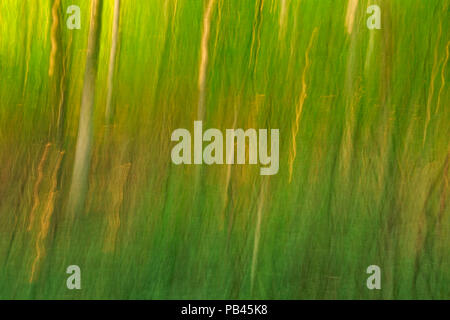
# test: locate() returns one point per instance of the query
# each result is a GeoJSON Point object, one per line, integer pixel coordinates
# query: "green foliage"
{"type": "Point", "coordinates": [369, 182]}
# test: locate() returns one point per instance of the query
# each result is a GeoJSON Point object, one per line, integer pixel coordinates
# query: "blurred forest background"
{"type": "Point", "coordinates": [86, 176]}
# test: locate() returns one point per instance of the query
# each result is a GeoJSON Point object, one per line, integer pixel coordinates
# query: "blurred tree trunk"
{"type": "Point", "coordinates": [112, 62]}
{"type": "Point", "coordinates": [78, 189]}
{"type": "Point", "coordinates": [58, 65]}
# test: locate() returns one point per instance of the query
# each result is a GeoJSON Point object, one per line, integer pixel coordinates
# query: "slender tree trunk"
{"type": "Point", "coordinates": [58, 65]}
{"type": "Point", "coordinates": [112, 61]}
{"type": "Point", "coordinates": [80, 174]}
{"type": "Point", "coordinates": [204, 60]}
{"type": "Point", "coordinates": [203, 65]}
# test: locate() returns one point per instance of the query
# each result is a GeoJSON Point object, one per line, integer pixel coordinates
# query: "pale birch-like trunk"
{"type": "Point", "coordinates": [80, 174]}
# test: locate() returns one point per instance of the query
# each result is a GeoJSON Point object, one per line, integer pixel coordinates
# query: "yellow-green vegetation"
{"type": "Point", "coordinates": [364, 120]}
